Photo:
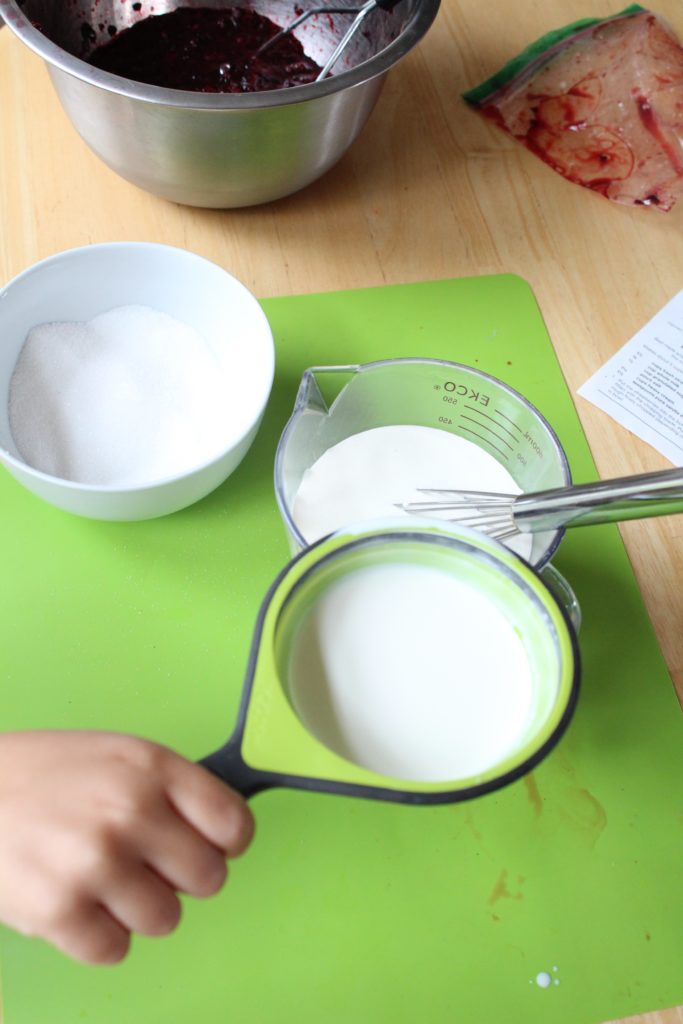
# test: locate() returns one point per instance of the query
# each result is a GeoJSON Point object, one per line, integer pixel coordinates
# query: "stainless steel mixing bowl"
{"type": "Point", "coordinates": [216, 150]}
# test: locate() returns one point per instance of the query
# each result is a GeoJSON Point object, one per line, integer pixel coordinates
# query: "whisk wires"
{"type": "Point", "coordinates": [360, 13]}
{"type": "Point", "coordinates": [490, 511]}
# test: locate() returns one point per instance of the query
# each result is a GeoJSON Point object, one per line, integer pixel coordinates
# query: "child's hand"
{"type": "Point", "coordinates": [99, 831]}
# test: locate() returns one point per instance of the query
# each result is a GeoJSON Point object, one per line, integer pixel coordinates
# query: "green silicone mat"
{"type": "Point", "coordinates": [345, 911]}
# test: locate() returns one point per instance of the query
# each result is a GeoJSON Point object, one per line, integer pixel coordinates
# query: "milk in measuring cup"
{"type": "Point", "coordinates": [366, 475]}
{"type": "Point", "coordinates": [409, 671]}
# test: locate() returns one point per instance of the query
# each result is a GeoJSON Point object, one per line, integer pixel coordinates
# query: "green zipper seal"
{"type": "Point", "coordinates": [539, 52]}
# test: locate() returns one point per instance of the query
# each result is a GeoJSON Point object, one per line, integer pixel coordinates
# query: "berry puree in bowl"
{"type": "Point", "coordinates": [206, 50]}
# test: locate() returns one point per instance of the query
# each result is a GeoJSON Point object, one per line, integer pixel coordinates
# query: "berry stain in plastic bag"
{"type": "Point", "coordinates": [601, 102]}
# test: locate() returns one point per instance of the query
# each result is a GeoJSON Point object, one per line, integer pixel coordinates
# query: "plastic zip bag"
{"type": "Point", "coordinates": [601, 102]}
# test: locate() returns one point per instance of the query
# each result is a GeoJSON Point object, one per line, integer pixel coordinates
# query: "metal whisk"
{"type": "Point", "coordinates": [504, 515]}
{"type": "Point", "coordinates": [359, 16]}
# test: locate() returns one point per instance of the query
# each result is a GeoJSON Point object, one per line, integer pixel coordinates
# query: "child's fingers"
{"type": "Point", "coordinates": [141, 901]}
{"type": "Point", "coordinates": [92, 935]}
{"type": "Point", "coordinates": [211, 807]}
{"type": "Point", "coordinates": [183, 857]}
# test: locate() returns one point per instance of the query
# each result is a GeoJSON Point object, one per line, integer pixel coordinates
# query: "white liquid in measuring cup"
{"type": "Point", "coordinates": [410, 672]}
{"type": "Point", "coordinates": [366, 475]}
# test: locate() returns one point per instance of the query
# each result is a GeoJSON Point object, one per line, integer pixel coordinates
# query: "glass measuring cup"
{"type": "Point", "coordinates": [335, 402]}
{"type": "Point", "coordinates": [286, 734]}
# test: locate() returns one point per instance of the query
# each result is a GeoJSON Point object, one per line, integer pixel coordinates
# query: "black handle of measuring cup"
{"type": "Point", "coordinates": [227, 764]}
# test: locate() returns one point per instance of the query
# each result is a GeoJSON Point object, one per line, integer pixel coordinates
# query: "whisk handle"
{"type": "Point", "coordinates": [608, 501]}
{"type": "Point", "coordinates": [386, 5]}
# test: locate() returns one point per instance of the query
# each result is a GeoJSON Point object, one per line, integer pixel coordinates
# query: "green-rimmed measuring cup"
{"type": "Point", "coordinates": [342, 697]}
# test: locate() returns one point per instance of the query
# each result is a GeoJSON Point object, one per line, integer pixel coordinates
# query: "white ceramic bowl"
{"type": "Point", "coordinates": [81, 283]}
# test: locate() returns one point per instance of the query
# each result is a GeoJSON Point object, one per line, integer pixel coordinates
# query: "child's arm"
{"type": "Point", "coordinates": [100, 831]}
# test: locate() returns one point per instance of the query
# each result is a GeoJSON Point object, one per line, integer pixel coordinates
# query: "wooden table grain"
{"type": "Point", "coordinates": [429, 191]}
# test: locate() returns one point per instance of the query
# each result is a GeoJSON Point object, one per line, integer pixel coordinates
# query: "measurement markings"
{"type": "Point", "coordinates": [487, 440]}
{"type": "Point", "coordinates": [511, 422]}
{"type": "Point", "coordinates": [482, 426]}
{"type": "Point", "coordinates": [500, 426]}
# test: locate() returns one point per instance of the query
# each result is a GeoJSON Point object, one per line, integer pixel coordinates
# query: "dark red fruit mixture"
{"type": "Point", "coordinates": [205, 50]}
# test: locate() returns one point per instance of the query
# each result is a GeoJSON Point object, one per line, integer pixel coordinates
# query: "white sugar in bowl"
{"type": "Point", "coordinates": [141, 289]}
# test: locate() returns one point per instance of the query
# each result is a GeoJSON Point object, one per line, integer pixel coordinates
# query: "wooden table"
{"type": "Point", "coordinates": [429, 191]}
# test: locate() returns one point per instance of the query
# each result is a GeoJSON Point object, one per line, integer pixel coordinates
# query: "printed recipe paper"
{"type": "Point", "coordinates": [641, 386]}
